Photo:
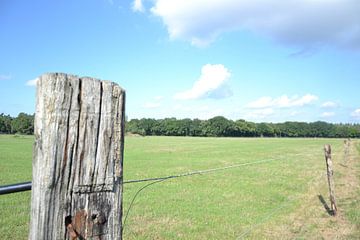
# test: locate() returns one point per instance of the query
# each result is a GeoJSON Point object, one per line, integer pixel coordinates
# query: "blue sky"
{"type": "Point", "coordinates": [257, 60]}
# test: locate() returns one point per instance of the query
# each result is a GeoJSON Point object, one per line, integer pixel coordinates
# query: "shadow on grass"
{"type": "Point", "coordinates": [323, 202]}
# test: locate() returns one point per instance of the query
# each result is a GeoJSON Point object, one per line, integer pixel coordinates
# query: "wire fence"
{"type": "Point", "coordinates": [252, 227]}
{"type": "Point", "coordinates": [187, 174]}
{"type": "Point", "coordinates": [272, 212]}
{"type": "Point", "coordinates": [26, 186]}
{"type": "Point", "coordinates": [199, 172]}
{"type": "Point", "coordinates": [154, 180]}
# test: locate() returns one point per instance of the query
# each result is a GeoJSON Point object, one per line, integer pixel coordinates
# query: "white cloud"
{"type": "Point", "coordinates": [180, 107]}
{"type": "Point", "coordinates": [5, 77]}
{"type": "Point", "coordinates": [259, 113]}
{"type": "Point", "coordinates": [152, 105]}
{"type": "Point", "coordinates": [294, 113]}
{"type": "Point", "coordinates": [327, 114]}
{"type": "Point", "coordinates": [158, 98]}
{"type": "Point", "coordinates": [262, 102]}
{"type": "Point", "coordinates": [32, 83]}
{"type": "Point", "coordinates": [155, 103]}
{"type": "Point", "coordinates": [211, 84]}
{"type": "Point", "coordinates": [303, 23]}
{"type": "Point", "coordinates": [283, 101]}
{"type": "Point", "coordinates": [195, 110]}
{"type": "Point", "coordinates": [329, 104]}
{"type": "Point", "coordinates": [138, 6]}
{"type": "Point", "coordinates": [356, 113]}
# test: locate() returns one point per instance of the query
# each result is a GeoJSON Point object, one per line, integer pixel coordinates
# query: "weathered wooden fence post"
{"type": "Point", "coordinates": [77, 161]}
{"type": "Point", "coordinates": [327, 149]}
{"type": "Point", "coordinates": [346, 149]}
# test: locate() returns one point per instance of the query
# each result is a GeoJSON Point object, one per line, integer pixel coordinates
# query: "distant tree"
{"type": "Point", "coordinates": [221, 127]}
{"type": "Point", "coordinates": [23, 124]}
{"type": "Point", "coordinates": [322, 129]}
{"type": "Point", "coordinates": [5, 123]}
{"type": "Point", "coordinates": [264, 130]}
{"type": "Point", "coordinates": [289, 129]}
{"type": "Point", "coordinates": [196, 126]}
{"type": "Point", "coordinates": [172, 127]}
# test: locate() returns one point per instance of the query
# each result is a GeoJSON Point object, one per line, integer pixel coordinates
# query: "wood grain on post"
{"type": "Point", "coordinates": [77, 161]}
{"type": "Point", "coordinates": [327, 149]}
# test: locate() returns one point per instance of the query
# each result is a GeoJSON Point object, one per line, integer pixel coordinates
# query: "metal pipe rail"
{"type": "Point", "coordinates": [13, 188]}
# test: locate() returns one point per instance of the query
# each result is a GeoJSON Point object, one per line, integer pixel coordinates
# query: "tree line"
{"type": "Point", "coordinates": [221, 127]}
{"type": "Point", "coordinates": [214, 127]}
{"type": "Point", "coordinates": [22, 124]}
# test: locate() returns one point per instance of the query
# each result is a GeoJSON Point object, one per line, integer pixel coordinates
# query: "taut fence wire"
{"type": "Point", "coordinates": [199, 172]}
{"type": "Point", "coordinates": [192, 173]}
{"type": "Point", "coordinates": [26, 186]}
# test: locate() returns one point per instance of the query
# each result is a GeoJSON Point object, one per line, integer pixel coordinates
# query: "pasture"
{"type": "Point", "coordinates": [278, 198]}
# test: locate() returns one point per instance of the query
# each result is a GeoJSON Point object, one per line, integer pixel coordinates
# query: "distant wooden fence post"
{"type": "Point", "coordinates": [327, 149]}
{"type": "Point", "coordinates": [347, 144]}
{"type": "Point", "coordinates": [345, 150]}
{"type": "Point", "coordinates": [77, 161]}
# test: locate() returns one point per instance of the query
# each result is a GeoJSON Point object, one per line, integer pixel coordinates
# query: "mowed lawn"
{"type": "Point", "coordinates": [277, 197]}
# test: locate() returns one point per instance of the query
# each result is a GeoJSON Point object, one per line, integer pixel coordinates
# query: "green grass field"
{"type": "Point", "coordinates": [278, 199]}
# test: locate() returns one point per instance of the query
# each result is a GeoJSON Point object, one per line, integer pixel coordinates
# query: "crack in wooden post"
{"type": "Point", "coordinates": [77, 161]}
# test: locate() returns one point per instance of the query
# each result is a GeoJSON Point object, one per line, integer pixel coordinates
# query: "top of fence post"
{"type": "Point", "coordinates": [77, 161]}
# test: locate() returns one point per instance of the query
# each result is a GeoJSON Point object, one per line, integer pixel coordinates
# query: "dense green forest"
{"type": "Point", "coordinates": [22, 124]}
{"type": "Point", "coordinates": [222, 127]}
{"type": "Point", "coordinates": [213, 127]}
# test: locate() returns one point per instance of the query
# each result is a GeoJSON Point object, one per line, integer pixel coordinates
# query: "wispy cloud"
{"type": "Point", "coordinates": [138, 6]}
{"type": "Point", "coordinates": [259, 114]}
{"type": "Point", "coordinates": [5, 77]}
{"type": "Point", "coordinates": [307, 24]}
{"type": "Point", "coordinates": [329, 104]}
{"type": "Point", "coordinates": [327, 114]}
{"type": "Point", "coordinates": [201, 112]}
{"type": "Point", "coordinates": [154, 103]}
{"type": "Point", "coordinates": [305, 52]}
{"type": "Point", "coordinates": [211, 84]}
{"type": "Point", "coordinates": [283, 101]}
{"type": "Point", "coordinates": [294, 113]}
{"type": "Point", "coordinates": [158, 98]}
{"type": "Point", "coordinates": [32, 83]}
{"type": "Point", "coordinates": [356, 114]}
